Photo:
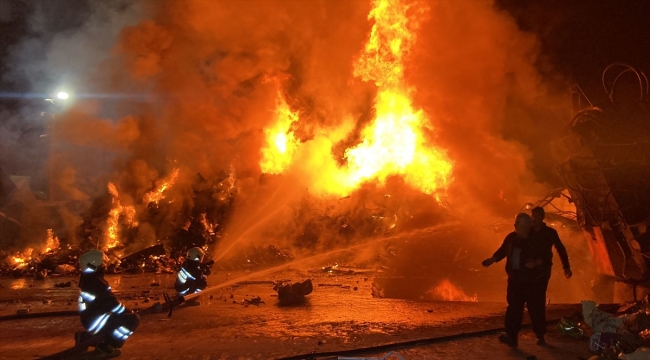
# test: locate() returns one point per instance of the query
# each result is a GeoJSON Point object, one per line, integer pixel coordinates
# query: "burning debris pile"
{"type": "Point", "coordinates": [116, 224]}
{"type": "Point", "coordinates": [40, 264]}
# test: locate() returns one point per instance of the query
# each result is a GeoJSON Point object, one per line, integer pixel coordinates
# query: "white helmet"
{"type": "Point", "coordinates": [91, 261]}
{"type": "Point", "coordinates": [195, 253]}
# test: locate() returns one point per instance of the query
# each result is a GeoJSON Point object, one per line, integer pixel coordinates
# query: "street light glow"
{"type": "Point", "coordinates": [62, 95]}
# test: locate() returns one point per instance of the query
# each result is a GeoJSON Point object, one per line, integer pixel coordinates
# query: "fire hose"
{"type": "Point", "coordinates": [401, 345]}
{"type": "Point", "coordinates": [39, 315]}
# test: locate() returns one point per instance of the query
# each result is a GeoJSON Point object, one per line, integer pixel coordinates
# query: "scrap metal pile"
{"type": "Point", "coordinates": [615, 332]}
{"type": "Point", "coordinates": [604, 162]}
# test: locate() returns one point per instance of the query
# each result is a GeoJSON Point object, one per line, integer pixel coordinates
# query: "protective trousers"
{"type": "Point", "coordinates": [119, 327]}
{"type": "Point", "coordinates": [531, 294]}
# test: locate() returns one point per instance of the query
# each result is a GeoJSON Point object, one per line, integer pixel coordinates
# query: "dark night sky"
{"type": "Point", "coordinates": [579, 38]}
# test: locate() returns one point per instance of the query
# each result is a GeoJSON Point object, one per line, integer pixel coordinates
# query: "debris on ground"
{"type": "Point", "coordinates": [256, 256]}
{"type": "Point", "coordinates": [617, 332]}
{"type": "Point", "coordinates": [254, 301]}
{"type": "Point", "coordinates": [335, 269]}
{"type": "Point", "coordinates": [293, 294]}
{"type": "Point", "coordinates": [642, 353]}
{"type": "Point", "coordinates": [600, 321]}
{"type": "Point", "coordinates": [570, 327]}
{"type": "Point", "coordinates": [63, 284]}
{"type": "Point", "coordinates": [64, 269]}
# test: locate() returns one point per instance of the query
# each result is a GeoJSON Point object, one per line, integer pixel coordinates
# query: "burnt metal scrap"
{"type": "Point", "coordinates": [605, 163]}
{"type": "Point", "coordinates": [293, 294]}
{"type": "Point", "coordinates": [153, 259]}
{"type": "Point", "coordinates": [40, 266]}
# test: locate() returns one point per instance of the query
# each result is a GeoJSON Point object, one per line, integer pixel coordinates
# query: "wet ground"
{"type": "Point", "coordinates": [336, 318]}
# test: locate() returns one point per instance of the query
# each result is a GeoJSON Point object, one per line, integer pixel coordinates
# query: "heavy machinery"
{"type": "Point", "coordinates": [604, 160]}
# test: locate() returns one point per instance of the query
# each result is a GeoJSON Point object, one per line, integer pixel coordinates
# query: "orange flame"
{"type": "Point", "coordinates": [280, 141]}
{"type": "Point", "coordinates": [22, 258]}
{"type": "Point", "coordinates": [207, 225]}
{"type": "Point", "coordinates": [159, 194]}
{"type": "Point", "coordinates": [52, 242]}
{"type": "Point", "coordinates": [449, 292]}
{"type": "Point", "coordinates": [112, 222]}
{"type": "Point", "coordinates": [394, 142]}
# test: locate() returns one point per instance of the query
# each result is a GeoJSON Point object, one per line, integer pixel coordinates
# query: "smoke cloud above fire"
{"type": "Point", "coordinates": [204, 85]}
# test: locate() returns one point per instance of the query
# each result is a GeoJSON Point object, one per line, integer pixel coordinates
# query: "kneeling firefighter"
{"type": "Point", "coordinates": [192, 278]}
{"type": "Point", "coordinates": [100, 311]}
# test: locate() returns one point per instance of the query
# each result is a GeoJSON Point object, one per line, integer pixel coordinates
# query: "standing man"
{"type": "Point", "coordinates": [549, 238]}
{"type": "Point", "coordinates": [546, 238]}
{"type": "Point", "coordinates": [525, 280]}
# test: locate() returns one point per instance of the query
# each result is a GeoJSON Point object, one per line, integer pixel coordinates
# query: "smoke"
{"type": "Point", "coordinates": [212, 71]}
{"type": "Point", "coordinates": [64, 46]}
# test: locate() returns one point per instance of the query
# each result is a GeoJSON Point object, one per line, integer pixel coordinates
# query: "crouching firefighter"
{"type": "Point", "coordinates": [192, 278]}
{"type": "Point", "coordinates": [100, 311]}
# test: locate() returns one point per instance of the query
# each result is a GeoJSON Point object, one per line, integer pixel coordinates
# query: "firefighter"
{"type": "Point", "coordinates": [526, 283]}
{"type": "Point", "coordinates": [100, 311]}
{"type": "Point", "coordinates": [192, 278]}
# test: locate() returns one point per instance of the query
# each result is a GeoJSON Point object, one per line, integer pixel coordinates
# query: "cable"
{"type": "Point", "coordinates": [610, 92]}
{"type": "Point", "coordinates": [647, 84]}
{"type": "Point", "coordinates": [39, 315]}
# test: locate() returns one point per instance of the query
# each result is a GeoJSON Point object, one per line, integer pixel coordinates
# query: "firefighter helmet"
{"type": "Point", "coordinates": [195, 253]}
{"type": "Point", "coordinates": [91, 261]}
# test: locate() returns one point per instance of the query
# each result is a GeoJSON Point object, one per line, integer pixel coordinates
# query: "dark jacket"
{"type": "Point", "coordinates": [96, 301]}
{"type": "Point", "coordinates": [517, 251]}
{"type": "Point", "coordinates": [549, 238]}
{"type": "Point", "coordinates": [190, 278]}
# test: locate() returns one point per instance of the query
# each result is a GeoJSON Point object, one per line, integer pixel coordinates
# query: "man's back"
{"type": "Point", "coordinates": [546, 238]}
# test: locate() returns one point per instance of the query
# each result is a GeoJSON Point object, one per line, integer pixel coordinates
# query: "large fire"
{"type": "Point", "coordinates": [112, 237]}
{"type": "Point", "coordinates": [159, 193]}
{"type": "Point", "coordinates": [394, 142]}
{"type": "Point", "coordinates": [280, 141]}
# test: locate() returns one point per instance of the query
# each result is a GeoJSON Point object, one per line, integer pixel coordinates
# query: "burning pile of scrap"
{"type": "Point", "coordinates": [615, 333]}
{"type": "Point", "coordinates": [28, 263]}
{"type": "Point", "coordinates": [153, 259]}
{"type": "Point", "coordinates": [293, 294]}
